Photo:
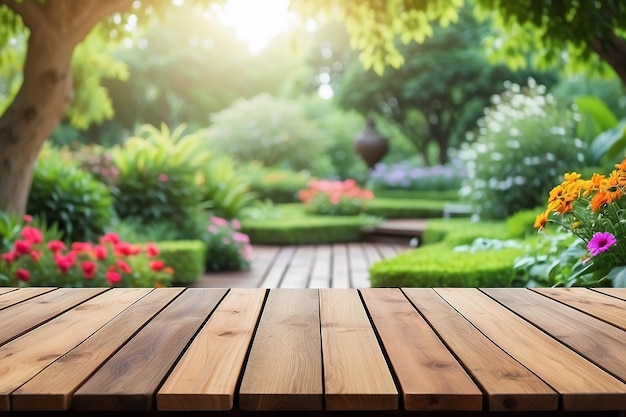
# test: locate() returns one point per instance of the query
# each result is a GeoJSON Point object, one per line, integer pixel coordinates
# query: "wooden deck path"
{"type": "Point", "coordinates": [339, 265]}
{"type": "Point", "coordinates": [354, 352]}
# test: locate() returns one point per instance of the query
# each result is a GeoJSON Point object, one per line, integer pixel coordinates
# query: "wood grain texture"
{"type": "Point", "coordinates": [596, 304]}
{"type": "Point", "coordinates": [613, 292]}
{"type": "Point", "coordinates": [53, 387]}
{"type": "Point", "coordinates": [321, 271]}
{"type": "Point", "coordinates": [341, 268]}
{"type": "Point", "coordinates": [581, 384]}
{"type": "Point", "coordinates": [284, 368]}
{"type": "Point", "coordinates": [5, 290]}
{"type": "Point", "coordinates": [206, 376]}
{"type": "Point", "coordinates": [508, 386]}
{"type": "Point", "coordinates": [9, 298]}
{"type": "Point", "coordinates": [20, 318]}
{"type": "Point", "coordinates": [356, 375]}
{"type": "Point", "coordinates": [276, 270]}
{"type": "Point", "coordinates": [430, 377]}
{"type": "Point", "coordinates": [129, 380]}
{"type": "Point", "coordinates": [359, 267]}
{"type": "Point", "coordinates": [298, 272]}
{"type": "Point", "coordinates": [596, 340]}
{"type": "Point", "coordinates": [24, 357]}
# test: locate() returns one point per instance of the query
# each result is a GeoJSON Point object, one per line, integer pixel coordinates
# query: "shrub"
{"type": "Point", "coordinates": [404, 208]}
{"type": "Point", "coordinates": [96, 160]}
{"type": "Point", "coordinates": [227, 191]}
{"type": "Point", "coordinates": [408, 175]}
{"type": "Point", "coordinates": [186, 257]}
{"type": "Point", "coordinates": [112, 262]}
{"type": "Point", "coordinates": [157, 175]}
{"type": "Point", "coordinates": [275, 184]}
{"type": "Point", "coordinates": [342, 198]}
{"type": "Point", "coordinates": [439, 266]}
{"type": "Point", "coordinates": [454, 232]}
{"type": "Point", "coordinates": [520, 224]}
{"type": "Point", "coordinates": [64, 194]}
{"type": "Point", "coordinates": [524, 143]}
{"type": "Point", "coordinates": [266, 129]}
{"type": "Point", "coordinates": [227, 247]}
{"type": "Point", "coordinates": [11, 227]}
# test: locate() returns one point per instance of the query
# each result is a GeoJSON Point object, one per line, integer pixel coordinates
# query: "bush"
{"type": "Point", "coordinates": [439, 266]}
{"type": "Point", "coordinates": [112, 262]}
{"type": "Point", "coordinates": [408, 175]}
{"type": "Point", "coordinates": [227, 247]}
{"type": "Point", "coordinates": [521, 224]}
{"type": "Point", "coordinates": [63, 193]}
{"type": "Point", "coordinates": [455, 232]}
{"type": "Point", "coordinates": [275, 184]}
{"type": "Point", "coordinates": [338, 198]}
{"type": "Point", "coordinates": [228, 192]}
{"type": "Point", "coordinates": [157, 175]}
{"type": "Point", "coordinates": [524, 144]}
{"type": "Point", "coordinates": [269, 130]}
{"type": "Point", "coordinates": [186, 257]}
{"type": "Point", "coordinates": [11, 228]}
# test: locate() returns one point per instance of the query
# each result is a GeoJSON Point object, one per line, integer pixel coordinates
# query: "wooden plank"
{"type": "Point", "coordinates": [349, 342]}
{"type": "Point", "coordinates": [508, 386]}
{"type": "Point", "coordinates": [276, 272]}
{"type": "Point", "coordinates": [601, 306]}
{"type": "Point", "coordinates": [430, 377]}
{"type": "Point", "coordinates": [129, 380]}
{"type": "Point", "coordinates": [321, 272]}
{"type": "Point", "coordinates": [341, 267]}
{"type": "Point", "coordinates": [298, 272]}
{"type": "Point", "coordinates": [15, 297]}
{"type": "Point", "coordinates": [25, 356]}
{"type": "Point", "coordinates": [613, 292]}
{"type": "Point", "coordinates": [206, 376]}
{"type": "Point", "coordinates": [284, 369]}
{"type": "Point", "coordinates": [20, 318]}
{"type": "Point", "coordinates": [53, 387]}
{"type": "Point", "coordinates": [372, 253]}
{"type": "Point", "coordinates": [581, 384]}
{"type": "Point", "coordinates": [596, 340]}
{"type": "Point", "coordinates": [7, 289]}
{"type": "Point", "coordinates": [359, 270]}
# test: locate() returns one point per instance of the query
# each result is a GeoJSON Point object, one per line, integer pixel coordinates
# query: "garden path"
{"type": "Point", "coordinates": [339, 265]}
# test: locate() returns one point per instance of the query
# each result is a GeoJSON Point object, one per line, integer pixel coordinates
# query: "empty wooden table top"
{"type": "Point", "coordinates": [241, 351]}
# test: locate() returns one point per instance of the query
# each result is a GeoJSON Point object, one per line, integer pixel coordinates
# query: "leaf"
{"type": "Point", "coordinates": [608, 143]}
{"type": "Point", "coordinates": [618, 276]}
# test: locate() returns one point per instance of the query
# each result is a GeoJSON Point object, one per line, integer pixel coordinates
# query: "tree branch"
{"type": "Point", "coordinates": [31, 11]}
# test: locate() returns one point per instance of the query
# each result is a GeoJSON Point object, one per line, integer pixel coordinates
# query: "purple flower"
{"type": "Point", "coordinates": [601, 242]}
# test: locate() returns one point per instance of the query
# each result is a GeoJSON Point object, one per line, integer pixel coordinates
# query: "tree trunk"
{"type": "Point", "coordinates": [613, 52]}
{"type": "Point", "coordinates": [56, 27]}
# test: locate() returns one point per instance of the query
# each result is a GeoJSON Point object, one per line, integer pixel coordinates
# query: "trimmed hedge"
{"type": "Point", "coordinates": [187, 257]}
{"type": "Point", "coordinates": [438, 266]}
{"type": "Point", "coordinates": [457, 231]}
{"type": "Point", "coordinates": [305, 230]}
{"type": "Point", "coordinates": [405, 208]}
{"type": "Point", "coordinates": [450, 196]}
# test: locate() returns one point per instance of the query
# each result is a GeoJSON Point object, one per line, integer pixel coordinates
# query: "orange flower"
{"type": "Point", "coordinates": [599, 200]}
{"type": "Point", "coordinates": [541, 220]}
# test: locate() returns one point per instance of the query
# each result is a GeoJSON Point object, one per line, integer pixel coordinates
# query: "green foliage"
{"type": "Point", "coordinates": [335, 198]}
{"type": "Point", "coordinates": [524, 144]}
{"type": "Point", "coordinates": [269, 130]}
{"type": "Point", "coordinates": [454, 232]}
{"type": "Point", "coordinates": [11, 227]}
{"type": "Point", "coordinates": [227, 191]}
{"type": "Point", "coordinates": [609, 145]}
{"type": "Point", "coordinates": [395, 208]}
{"type": "Point", "coordinates": [186, 257]}
{"type": "Point", "coordinates": [521, 224]}
{"type": "Point", "coordinates": [62, 193]}
{"type": "Point", "coordinates": [158, 175]}
{"type": "Point", "coordinates": [439, 195]}
{"type": "Point", "coordinates": [439, 266]}
{"type": "Point", "coordinates": [274, 184]}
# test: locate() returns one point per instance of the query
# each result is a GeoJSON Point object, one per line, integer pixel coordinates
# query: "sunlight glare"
{"type": "Point", "coordinates": [257, 22]}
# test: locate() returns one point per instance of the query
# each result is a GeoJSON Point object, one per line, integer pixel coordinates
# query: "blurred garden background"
{"type": "Point", "coordinates": [163, 140]}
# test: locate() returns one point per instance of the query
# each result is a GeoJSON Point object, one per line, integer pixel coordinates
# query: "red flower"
{"type": "Point", "coordinates": [22, 247]}
{"type": "Point", "coordinates": [32, 235]}
{"type": "Point", "coordinates": [152, 250]}
{"type": "Point", "coordinates": [100, 252]}
{"type": "Point", "coordinates": [9, 256]}
{"type": "Point", "coordinates": [113, 277]}
{"type": "Point", "coordinates": [126, 249]}
{"type": "Point", "coordinates": [123, 266]}
{"type": "Point", "coordinates": [81, 246]}
{"type": "Point", "coordinates": [22, 274]}
{"type": "Point", "coordinates": [157, 265]}
{"type": "Point", "coordinates": [56, 246]}
{"type": "Point", "coordinates": [110, 237]}
{"type": "Point", "coordinates": [27, 218]}
{"type": "Point", "coordinates": [89, 269]}
{"type": "Point", "coordinates": [64, 263]}
{"type": "Point", "coordinates": [35, 255]}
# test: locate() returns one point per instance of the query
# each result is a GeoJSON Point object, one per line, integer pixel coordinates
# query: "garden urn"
{"type": "Point", "coordinates": [370, 145]}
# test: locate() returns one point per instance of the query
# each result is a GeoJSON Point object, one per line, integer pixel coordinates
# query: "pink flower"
{"type": "Point", "coordinates": [113, 277]}
{"type": "Point", "coordinates": [32, 235]}
{"type": "Point", "coordinates": [236, 224]}
{"type": "Point", "coordinates": [100, 252]}
{"type": "Point", "coordinates": [10, 257]}
{"type": "Point", "coordinates": [123, 266]}
{"type": "Point", "coordinates": [110, 238]}
{"type": "Point", "coordinates": [22, 274]}
{"type": "Point", "coordinates": [219, 221]}
{"type": "Point", "coordinates": [81, 247]}
{"type": "Point", "coordinates": [56, 246]}
{"type": "Point", "coordinates": [157, 265]}
{"type": "Point", "coordinates": [64, 263]}
{"type": "Point", "coordinates": [35, 255]}
{"type": "Point", "coordinates": [601, 242]}
{"type": "Point", "coordinates": [241, 237]}
{"type": "Point", "coordinates": [152, 249]}
{"type": "Point", "coordinates": [89, 269]}
{"type": "Point", "coordinates": [22, 247]}
{"type": "Point", "coordinates": [27, 218]}
{"type": "Point", "coordinates": [163, 177]}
